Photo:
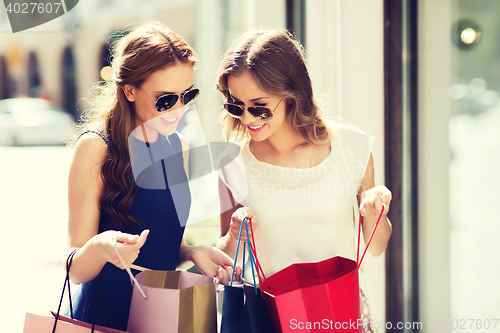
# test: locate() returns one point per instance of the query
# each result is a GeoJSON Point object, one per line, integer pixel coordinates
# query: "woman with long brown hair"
{"type": "Point", "coordinates": [300, 197]}
{"type": "Point", "coordinates": [108, 210]}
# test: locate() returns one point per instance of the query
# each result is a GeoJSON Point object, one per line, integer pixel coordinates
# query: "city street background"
{"type": "Point", "coordinates": [33, 218]}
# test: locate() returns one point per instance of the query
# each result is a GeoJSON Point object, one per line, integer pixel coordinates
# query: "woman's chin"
{"type": "Point", "coordinates": [258, 136]}
{"type": "Point", "coordinates": [164, 130]}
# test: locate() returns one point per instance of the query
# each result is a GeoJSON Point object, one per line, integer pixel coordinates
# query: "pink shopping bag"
{"type": "Point", "coordinates": [176, 301]}
{"type": "Point", "coordinates": [35, 324]}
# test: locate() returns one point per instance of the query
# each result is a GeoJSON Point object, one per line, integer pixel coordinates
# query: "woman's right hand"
{"type": "Point", "coordinates": [237, 218]}
{"type": "Point", "coordinates": [128, 246]}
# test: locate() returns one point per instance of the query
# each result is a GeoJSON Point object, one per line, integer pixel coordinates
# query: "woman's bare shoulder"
{"type": "Point", "coordinates": [90, 149]}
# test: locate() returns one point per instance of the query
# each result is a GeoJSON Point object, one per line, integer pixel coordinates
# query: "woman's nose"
{"type": "Point", "coordinates": [247, 118]}
{"type": "Point", "coordinates": [178, 104]}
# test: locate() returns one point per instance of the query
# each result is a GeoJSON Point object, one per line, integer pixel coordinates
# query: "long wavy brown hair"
{"type": "Point", "coordinates": [277, 63]}
{"type": "Point", "coordinates": [135, 56]}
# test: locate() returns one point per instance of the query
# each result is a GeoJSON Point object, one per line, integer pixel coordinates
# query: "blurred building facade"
{"type": "Point", "coordinates": [61, 59]}
{"type": "Point", "coordinates": [65, 56]}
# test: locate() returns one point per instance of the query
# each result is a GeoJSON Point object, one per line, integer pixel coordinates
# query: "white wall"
{"type": "Point", "coordinates": [208, 44]}
{"type": "Point", "coordinates": [434, 155]}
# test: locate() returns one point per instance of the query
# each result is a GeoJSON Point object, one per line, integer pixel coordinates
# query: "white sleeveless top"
{"type": "Point", "coordinates": [305, 214]}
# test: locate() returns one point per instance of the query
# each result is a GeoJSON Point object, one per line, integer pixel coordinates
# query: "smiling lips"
{"type": "Point", "coordinates": [255, 129]}
{"type": "Point", "coordinates": [169, 121]}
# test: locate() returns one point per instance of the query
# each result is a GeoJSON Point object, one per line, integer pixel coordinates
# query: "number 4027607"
{"type": "Point", "coordinates": [463, 324]}
{"type": "Point", "coordinates": [33, 8]}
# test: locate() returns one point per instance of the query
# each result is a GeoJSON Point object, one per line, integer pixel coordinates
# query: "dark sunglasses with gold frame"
{"type": "Point", "coordinates": [258, 112]}
{"type": "Point", "coordinates": [167, 101]}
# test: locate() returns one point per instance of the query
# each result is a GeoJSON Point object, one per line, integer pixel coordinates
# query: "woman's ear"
{"type": "Point", "coordinates": [289, 104]}
{"type": "Point", "coordinates": [129, 92]}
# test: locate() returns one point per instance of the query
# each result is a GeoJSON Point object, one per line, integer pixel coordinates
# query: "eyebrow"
{"type": "Point", "coordinates": [252, 100]}
{"type": "Point", "coordinates": [258, 98]}
{"type": "Point", "coordinates": [171, 92]}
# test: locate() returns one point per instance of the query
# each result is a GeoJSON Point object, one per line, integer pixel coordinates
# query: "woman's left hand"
{"type": "Point", "coordinates": [373, 199]}
{"type": "Point", "coordinates": [213, 262]}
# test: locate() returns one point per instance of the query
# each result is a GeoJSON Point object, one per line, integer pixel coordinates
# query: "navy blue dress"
{"type": "Point", "coordinates": [156, 209]}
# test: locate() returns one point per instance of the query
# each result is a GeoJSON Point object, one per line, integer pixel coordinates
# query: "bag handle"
{"type": "Point", "coordinates": [253, 261]}
{"type": "Point", "coordinates": [358, 262]}
{"type": "Point", "coordinates": [69, 261]}
{"type": "Point", "coordinates": [250, 252]}
{"type": "Point", "coordinates": [355, 205]}
{"type": "Point", "coordinates": [237, 250]}
{"type": "Point", "coordinates": [260, 271]}
{"type": "Point", "coordinates": [132, 277]}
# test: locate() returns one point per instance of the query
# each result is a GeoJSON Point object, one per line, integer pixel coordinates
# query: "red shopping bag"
{"type": "Point", "coordinates": [316, 297]}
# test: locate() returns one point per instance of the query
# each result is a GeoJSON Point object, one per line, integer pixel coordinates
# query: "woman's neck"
{"type": "Point", "coordinates": [284, 140]}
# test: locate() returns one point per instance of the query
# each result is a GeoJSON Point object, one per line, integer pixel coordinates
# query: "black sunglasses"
{"type": "Point", "coordinates": [165, 102]}
{"type": "Point", "coordinates": [258, 112]}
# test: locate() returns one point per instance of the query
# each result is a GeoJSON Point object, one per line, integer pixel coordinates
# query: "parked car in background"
{"type": "Point", "coordinates": [33, 121]}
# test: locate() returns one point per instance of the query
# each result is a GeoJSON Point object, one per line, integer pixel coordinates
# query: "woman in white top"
{"type": "Point", "coordinates": [298, 191]}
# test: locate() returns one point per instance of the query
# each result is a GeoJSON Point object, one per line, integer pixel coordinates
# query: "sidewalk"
{"type": "Point", "coordinates": [34, 224]}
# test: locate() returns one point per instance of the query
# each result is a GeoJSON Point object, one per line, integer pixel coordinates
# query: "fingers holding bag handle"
{"type": "Point", "coordinates": [369, 241]}
{"type": "Point", "coordinates": [128, 246]}
{"type": "Point", "coordinates": [127, 268]}
{"type": "Point", "coordinates": [244, 229]}
{"type": "Point", "coordinates": [236, 221]}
